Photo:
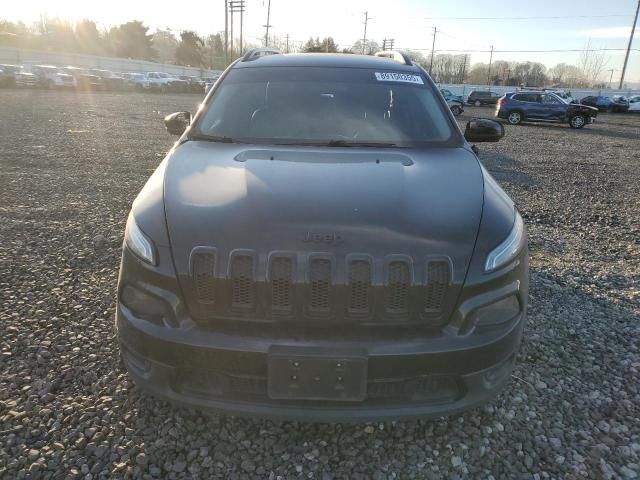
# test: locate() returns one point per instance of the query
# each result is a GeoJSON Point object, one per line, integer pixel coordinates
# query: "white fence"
{"type": "Point", "coordinates": [26, 57]}
{"type": "Point", "coordinates": [464, 90]}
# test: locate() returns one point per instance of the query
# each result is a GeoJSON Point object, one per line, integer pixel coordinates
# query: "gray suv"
{"type": "Point", "coordinates": [322, 243]}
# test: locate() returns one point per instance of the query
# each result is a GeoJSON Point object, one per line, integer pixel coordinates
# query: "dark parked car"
{"type": "Point", "coordinates": [323, 243]}
{"type": "Point", "coordinates": [16, 76]}
{"type": "Point", "coordinates": [617, 103]}
{"type": "Point", "coordinates": [529, 106]}
{"type": "Point", "coordinates": [194, 84]}
{"type": "Point", "coordinates": [85, 80]}
{"type": "Point", "coordinates": [479, 97]}
{"type": "Point", "coordinates": [111, 81]}
{"type": "Point", "coordinates": [449, 95]}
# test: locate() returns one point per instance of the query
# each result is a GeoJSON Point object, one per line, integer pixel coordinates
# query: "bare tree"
{"type": "Point", "coordinates": [592, 63]}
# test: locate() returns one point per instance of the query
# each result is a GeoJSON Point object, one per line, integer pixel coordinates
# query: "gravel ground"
{"type": "Point", "coordinates": [70, 165]}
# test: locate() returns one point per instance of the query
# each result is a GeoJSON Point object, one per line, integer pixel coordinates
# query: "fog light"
{"type": "Point", "coordinates": [143, 305]}
{"type": "Point", "coordinates": [497, 313]}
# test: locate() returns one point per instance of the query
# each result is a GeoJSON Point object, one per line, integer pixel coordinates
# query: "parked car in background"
{"type": "Point", "coordinates": [157, 81]}
{"type": "Point", "coordinates": [530, 106]}
{"type": "Point", "coordinates": [111, 81]}
{"type": "Point", "coordinates": [448, 95]}
{"type": "Point", "coordinates": [194, 84]}
{"type": "Point", "coordinates": [135, 81]}
{"type": "Point", "coordinates": [563, 94]}
{"type": "Point", "coordinates": [16, 76]}
{"type": "Point", "coordinates": [84, 79]}
{"type": "Point", "coordinates": [634, 103]}
{"type": "Point", "coordinates": [177, 84]}
{"type": "Point", "coordinates": [456, 106]}
{"type": "Point", "coordinates": [617, 103]}
{"type": "Point", "coordinates": [50, 76]}
{"type": "Point", "coordinates": [480, 97]}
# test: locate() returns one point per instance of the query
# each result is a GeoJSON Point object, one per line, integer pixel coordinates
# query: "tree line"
{"type": "Point", "coordinates": [128, 40]}
{"type": "Point", "coordinates": [133, 40]}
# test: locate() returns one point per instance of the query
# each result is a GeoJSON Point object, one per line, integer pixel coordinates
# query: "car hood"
{"type": "Point", "coordinates": [341, 201]}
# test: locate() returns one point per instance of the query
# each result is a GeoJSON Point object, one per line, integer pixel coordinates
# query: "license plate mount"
{"type": "Point", "coordinates": [316, 374]}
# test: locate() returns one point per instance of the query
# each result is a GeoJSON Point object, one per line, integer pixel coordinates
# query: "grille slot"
{"type": "Point", "coordinates": [359, 287]}
{"type": "Point", "coordinates": [203, 273]}
{"type": "Point", "coordinates": [438, 279]}
{"type": "Point", "coordinates": [320, 285]}
{"type": "Point", "coordinates": [242, 284]}
{"type": "Point", "coordinates": [398, 291]}
{"type": "Point", "coordinates": [281, 284]}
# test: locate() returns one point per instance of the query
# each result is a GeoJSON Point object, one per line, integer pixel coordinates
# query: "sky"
{"type": "Point", "coordinates": [409, 22]}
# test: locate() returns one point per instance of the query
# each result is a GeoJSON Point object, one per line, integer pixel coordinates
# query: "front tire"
{"type": "Point", "coordinates": [577, 121]}
{"type": "Point", "coordinates": [477, 103]}
{"type": "Point", "coordinates": [514, 118]}
{"type": "Point", "coordinates": [456, 110]}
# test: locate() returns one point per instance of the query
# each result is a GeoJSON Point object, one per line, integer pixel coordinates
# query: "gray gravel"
{"type": "Point", "coordinates": [72, 163]}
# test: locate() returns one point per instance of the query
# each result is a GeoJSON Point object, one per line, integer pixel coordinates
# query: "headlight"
{"type": "Point", "coordinates": [509, 248]}
{"type": "Point", "coordinates": [138, 242]}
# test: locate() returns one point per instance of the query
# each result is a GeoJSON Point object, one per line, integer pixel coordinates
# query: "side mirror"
{"type": "Point", "coordinates": [177, 122]}
{"type": "Point", "coordinates": [483, 130]}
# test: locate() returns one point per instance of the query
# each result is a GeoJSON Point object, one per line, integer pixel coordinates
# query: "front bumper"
{"type": "Point", "coordinates": [408, 377]}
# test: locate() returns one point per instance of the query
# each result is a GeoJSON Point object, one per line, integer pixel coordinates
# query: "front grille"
{"type": "Point", "coordinates": [438, 274]}
{"type": "Point", "coordinates": [203, 272]}
{"type": "Point", "coordinates": [242, 284]}
{"type": "Point", "coordinates": [398, 288]}
{"type": "Point", "coordinates": [281, 284]}
{"type": "Point", "coordinates": [320, 285]}
{"type": "Point", "coordinates": [359, 287]}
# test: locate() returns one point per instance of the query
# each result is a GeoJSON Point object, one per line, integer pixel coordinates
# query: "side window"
{"type": "Point", "coordinates": [549, 100]}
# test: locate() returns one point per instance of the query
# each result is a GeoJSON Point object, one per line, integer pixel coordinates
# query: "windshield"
{"type": "Point", "coordinates": [322, 105]}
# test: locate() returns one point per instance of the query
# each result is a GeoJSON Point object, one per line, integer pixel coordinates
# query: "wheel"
{"type": "Point", "coordinates": [577, 121]}
{"type": "Point", "coordinates": [477, 103]}
{"type": "Point", "coordinates": [514, 118]}
{"type": "Point", "coordinates": [456, 110]}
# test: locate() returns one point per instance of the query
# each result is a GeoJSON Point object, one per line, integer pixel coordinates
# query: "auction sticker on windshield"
{"type": "Point", "coordinates": [398, 77]}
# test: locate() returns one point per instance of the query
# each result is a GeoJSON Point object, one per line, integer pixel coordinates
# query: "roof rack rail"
{"type": "Point", "coordinates": [396, 55]}
{"type": "Point", "coordinates": [259, 52]}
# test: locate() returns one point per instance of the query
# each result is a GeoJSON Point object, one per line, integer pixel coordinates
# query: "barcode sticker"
{"type": "Point", "coordinates": [398, 77]}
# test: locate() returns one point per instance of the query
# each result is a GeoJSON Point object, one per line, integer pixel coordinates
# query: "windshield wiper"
{"type": "Point", "coordinates": [346, 143]}
{"type": "Point", "coordinates": [212, 138]}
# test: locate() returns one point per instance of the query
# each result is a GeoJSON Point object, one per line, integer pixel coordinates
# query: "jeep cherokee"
{"type": "Point", "coordinates": [323, 244]}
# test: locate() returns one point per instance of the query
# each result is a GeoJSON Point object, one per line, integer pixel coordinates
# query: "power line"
{"type": "Point", "coordinates": [531, 51]}
{"type": "Point", "coordinates": [554, 17]}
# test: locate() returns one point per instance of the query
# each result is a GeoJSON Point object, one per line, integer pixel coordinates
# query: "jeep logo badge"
{"type": "Point", "coordinates": [318, 237]}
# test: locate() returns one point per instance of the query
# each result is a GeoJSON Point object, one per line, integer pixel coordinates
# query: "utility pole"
{"type": "Point", "coordinates": [611, 76]}
{"type": "Point", "coordinates": [489, 73]}
{"type": "Point", "coordinates": [237, 6]}
{"type": "Point", "coordinates": [287, 43]}
{"type": "Point", "coordinates": [226, 32]}
{"type": "Point", "coordinates": [364, 37]}
{"type": "Point", "coordinates": [626, 57]}
{"type": "Point", "coordinates": [387, 43]}
{"type": "Point", "coordinates": [433, 49]}
{"type": "Point", "coordinates": [231, 33]}
{"type": "Point", "coordinates": [266, 35]}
